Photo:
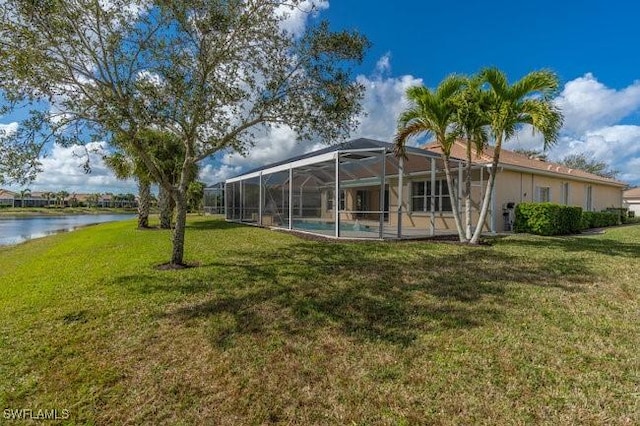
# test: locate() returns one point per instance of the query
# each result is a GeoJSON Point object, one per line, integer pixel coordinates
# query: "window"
{"type": "Point", "coordinates": [421, 196]}
{"type": "Point", "coordinates": [588, 198]}
{"type": "Point", "coordinates": [543, 194]}
{"type": "Point", "coordinates": [330, 200]}
{"type": "Point", "coordinates": [418, 201]}
{"type": "Point", "coordinates": [565, 193]}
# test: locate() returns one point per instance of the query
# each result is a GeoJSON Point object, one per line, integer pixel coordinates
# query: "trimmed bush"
{"type": "Point", "coordinates": [621, 212]}
{"type": "Point", "coordinates": [547, 219]}
{"type": "Point", "coordinates": [599, 219]}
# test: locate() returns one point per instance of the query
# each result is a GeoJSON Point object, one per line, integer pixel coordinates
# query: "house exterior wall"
{"type": "Point", "coordinates": [444, 221]}
{"type": "Point", "coordinates": [512, 186]}
{"type": "Point", "coordinates": [517, 187]}
{"type": "Point", "coordinates": [633, 204]}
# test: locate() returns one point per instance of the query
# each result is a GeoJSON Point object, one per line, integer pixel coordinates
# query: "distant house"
{"type": "Point", "coordinates": [632, 200]}
{"type": "Point", "coordinates": [360, 189]}
{"type": "Point", "coordinates": [7, 198]}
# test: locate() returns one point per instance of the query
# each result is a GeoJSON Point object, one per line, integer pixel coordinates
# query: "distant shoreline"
{"type": "Point", "coordinates": [67, 211]}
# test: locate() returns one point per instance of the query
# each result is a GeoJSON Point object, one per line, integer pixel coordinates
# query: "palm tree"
{"type": "Point", "coordinates": [168, 156]}
{"type": "Point", "coordinates": [509, 107]}
{"type": "Point", "coordinates": [433, 113]}
{"type": "Point", "coordinates": [73, 201]}
{"type": "Point", "coordinates": [166, 205]}
{"type": "Point", "coordinates": [471, 123]}
{"type": "Point", "coordinates": [48, 196]}
{"type": "Point", "coordinates": [93, 199]}
{"type": "Point", "coordinates": [62, 196]}
{"type": "Point", "coordinates": [24, 193]}
{"type": "Point", "coordinates": [126, 168]}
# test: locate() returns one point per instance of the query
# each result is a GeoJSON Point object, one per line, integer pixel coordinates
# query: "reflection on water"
{"type": "Point", "coordinates": [15, 230]}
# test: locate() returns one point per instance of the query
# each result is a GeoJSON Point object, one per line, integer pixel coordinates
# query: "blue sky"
{"type": "Point", "coordinates": [592, 45]}
{"type": "Point", "coordinates": [430, 39]}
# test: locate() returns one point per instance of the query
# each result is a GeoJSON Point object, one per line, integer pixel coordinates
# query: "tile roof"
{"type": "Point", "coordinates": [632, 193]}
{"type": "Point", "coordinates": [5, 193]}
{"type": "Point", "coordinates": [516, 160]}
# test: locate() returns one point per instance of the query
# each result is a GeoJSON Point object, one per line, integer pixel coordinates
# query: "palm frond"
{"type": "Point", "coordinates": [496, 79]}
{"type": "Point", "coordinates": [413, 128]}
{"type": "Point", "coordinates": [119, 164]}
{"type": "Point", "coordinates": [543, 82]}
{"type": "Point", "coordinates": [545, 117]}
{"type": "Point", "coordinates": [451, 85]}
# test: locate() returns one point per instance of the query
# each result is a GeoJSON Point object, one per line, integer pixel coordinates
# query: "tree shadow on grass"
{"type": "Point", "coordinates": [367, 293]}
{"type": "Point", "coordinates": [150, 284]}
{"type": "Point", "coordinates": [213, 224]}
{"type": "Point", "coordinates": [574, 244]}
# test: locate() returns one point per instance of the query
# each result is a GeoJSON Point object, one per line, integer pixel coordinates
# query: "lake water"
{"type": "Point", "coordinates": [15, 230]}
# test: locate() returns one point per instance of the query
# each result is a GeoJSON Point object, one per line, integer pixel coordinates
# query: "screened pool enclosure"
{"type": "Point", "coordinates": [358, 189]}
{"type": "Point", "coordinates": [213, 198]}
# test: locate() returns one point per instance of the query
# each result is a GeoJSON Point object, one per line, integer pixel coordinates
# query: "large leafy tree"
{"type": "Point", "coordinates": [433, 113]}
{"type": "Point", "coordinates": [587, 163]}
{"type": "Point", "coordinates": [214, 73]}
{"type": "Point", "coordinates": [508, 107]}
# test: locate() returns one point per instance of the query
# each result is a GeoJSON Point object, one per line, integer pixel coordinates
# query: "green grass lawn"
{"type": "Point", "coordinates": [272, 328]}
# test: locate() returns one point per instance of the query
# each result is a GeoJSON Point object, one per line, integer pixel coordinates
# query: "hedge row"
{"type": "Point", "coordinates": [547, 219]}
{"type": "Point", "coordinates": [599, 219]}
{"type": "Point", "coordinates": [555, 219]}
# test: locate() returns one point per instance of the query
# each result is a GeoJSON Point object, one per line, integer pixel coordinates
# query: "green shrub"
{"type": "Point", "coordinates": [547, 219]}
{"type": "Point", "coordinates": [621, 212]}
{"type": "Point", "coordinates": [599, 219]}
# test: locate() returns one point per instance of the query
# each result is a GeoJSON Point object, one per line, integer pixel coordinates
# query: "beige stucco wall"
{"type": "Point", "coordinates": [511, 187]}
{"type": "Point", "coordinates": [444, 221]}
{"type": "Point", "coordinates": [517, 187]}
{"type": "Point", "coordinates": [520, 187]}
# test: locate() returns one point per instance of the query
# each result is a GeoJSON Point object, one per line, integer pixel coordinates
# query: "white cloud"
{"type": "Point", "coordinates": [271, 146]}
{"type": "Point", "coordinates": [383, 66]}
{"type": "Point", "coordinates": [593, 113]}
{"type": "Point", "coordinates": [618, 146]}
{"type": "Point", "coordinates": [297, 16]}
{"type": "Point", "coordinates": [213, 174]}
{"type": "Point", "coordinates": [383, 102]}
{"type": "Point", "coordinates": [62, 170]}
{"type": "Point", "coordinates": [8, 129]}
{"type": "Point", "coordinates": [588, 104]}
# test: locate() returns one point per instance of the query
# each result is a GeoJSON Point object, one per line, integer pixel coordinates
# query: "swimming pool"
{"type": "Point", "coordinates": [319, 225]}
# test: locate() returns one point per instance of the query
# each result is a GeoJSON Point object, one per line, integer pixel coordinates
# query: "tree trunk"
{"type": "Point", "coordinates": [468, 233]}
{"type": "Point", "coordinates": [453, 195]}
{"type": "Point", "coordinates": [165, 202]}
{"type": "Point", "coordinates": [177, 253]}
{"type": "Point", "coordinates": [489, 191]}
{"type": "Point", "coordinates": [144, 194]}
